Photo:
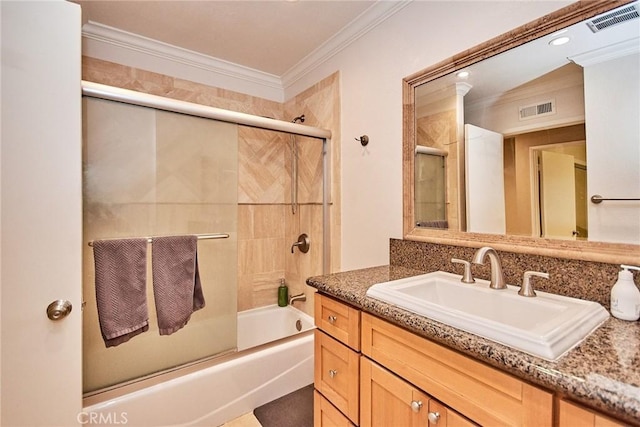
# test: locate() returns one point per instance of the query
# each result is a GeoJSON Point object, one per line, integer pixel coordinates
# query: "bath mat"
{"type": "Point", "coordinates": [291, 410]}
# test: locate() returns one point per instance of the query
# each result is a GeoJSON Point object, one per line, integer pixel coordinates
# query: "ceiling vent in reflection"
{"type": "Point", "coordinates": [615, 17]}
{"type": "Point", "coordinates": [537, 110]}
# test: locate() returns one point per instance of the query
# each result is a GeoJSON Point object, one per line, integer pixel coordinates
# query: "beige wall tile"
{"type": "Point", "coordinates": [245, 222]}
{"type": "Point", "coordinates": [262, 177]}
{"type": "Point", "coordinates": [258, 290]}
{"type": "Point", "coordinates": [268, 221]}
{"type": "Point", "coordinates": [260, 256]}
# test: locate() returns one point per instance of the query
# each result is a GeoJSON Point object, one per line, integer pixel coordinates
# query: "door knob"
{"type": "Point", "coordinates": [59, 309]}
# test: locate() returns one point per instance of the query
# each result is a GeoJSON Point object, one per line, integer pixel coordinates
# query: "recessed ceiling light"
{"type": "Point", "coordinates": [463, 74]}
{"type": "Point", "coordinates": [559, 41]}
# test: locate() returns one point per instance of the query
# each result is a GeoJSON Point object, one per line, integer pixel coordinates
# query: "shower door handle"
{"type": "Point", "coordinates": [59, 309]}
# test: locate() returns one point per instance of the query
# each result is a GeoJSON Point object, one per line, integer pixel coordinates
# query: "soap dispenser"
{"type": "Point", "coordinates": [625, 296]}
{"type": "Point", "coordinates": [283, 294]}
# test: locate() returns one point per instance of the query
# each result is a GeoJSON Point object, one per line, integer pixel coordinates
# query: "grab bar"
{"type": "Point", "coordinates": [199, 236]}
{"type": "Point", "coordinates": [596, 198]}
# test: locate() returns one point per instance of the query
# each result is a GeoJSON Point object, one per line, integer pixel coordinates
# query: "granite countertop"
{"type": "Point", "coordinates": [602, 372]}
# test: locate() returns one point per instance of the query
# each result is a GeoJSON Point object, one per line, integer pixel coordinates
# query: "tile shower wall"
{"type": "Point", "coordinates": [266, 227]}
{"type": "Point", "coordinates": [321, 106]}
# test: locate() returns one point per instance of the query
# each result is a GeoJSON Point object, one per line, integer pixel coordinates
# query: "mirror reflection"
{"type": "Point", "coordinates": [517, 144]}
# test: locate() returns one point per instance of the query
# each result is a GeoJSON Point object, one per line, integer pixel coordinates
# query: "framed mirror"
{"type": "Point", "coordinates": [510, 154]}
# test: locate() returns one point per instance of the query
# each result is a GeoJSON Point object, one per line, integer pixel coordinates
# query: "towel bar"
{"type": "Point", "coordinates": [199, 236]}
{"type": "Point", "coordinates": [596, 198]}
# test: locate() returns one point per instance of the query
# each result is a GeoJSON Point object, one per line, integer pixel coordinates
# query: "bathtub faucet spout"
{"type": "Point", "coordinates": [299, 297]}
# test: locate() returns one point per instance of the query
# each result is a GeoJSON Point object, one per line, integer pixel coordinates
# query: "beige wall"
{"type": "Point", "coordinates": [266, 227]}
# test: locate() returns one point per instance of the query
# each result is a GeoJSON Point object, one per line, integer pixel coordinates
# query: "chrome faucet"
{"type": "Point", "coordinates": [497, 277]}
{"type": "Point", "coordinates": [299, 297]}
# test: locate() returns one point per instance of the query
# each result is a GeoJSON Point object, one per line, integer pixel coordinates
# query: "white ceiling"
{"type": "Point", "coordinates": [270, 36]}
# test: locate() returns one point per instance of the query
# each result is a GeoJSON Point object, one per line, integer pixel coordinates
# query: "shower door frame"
{"type": "Point", "coordinates": [97, 90]}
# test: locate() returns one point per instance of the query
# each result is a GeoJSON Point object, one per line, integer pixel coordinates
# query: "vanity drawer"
{"type": "Point", "coordinates": [326, 415]}
{"type": "Point", "coordinates": [570, 414]}
{"type": "Point", "coordinates": [339, 320]}
{"type": "Point", "coordinates": [336, 374]}
{"type": "Point", "coordinates": [482, 393]}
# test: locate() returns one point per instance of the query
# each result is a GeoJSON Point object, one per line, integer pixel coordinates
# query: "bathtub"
{"type": "Point", "coordinates": [273, 359]}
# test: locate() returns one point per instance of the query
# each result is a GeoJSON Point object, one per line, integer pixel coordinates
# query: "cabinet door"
{"type": "Point", "coordinates": [387, 400]}
{"type": "Point", "coordinates": [573, 415]}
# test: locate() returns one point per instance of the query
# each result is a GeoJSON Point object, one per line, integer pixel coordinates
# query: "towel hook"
{"type": "Point", "coordinates": [364, 140]}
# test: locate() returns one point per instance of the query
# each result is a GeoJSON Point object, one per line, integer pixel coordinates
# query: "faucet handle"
{"type": "Point", "coordinates": [467, 277]}
{"type": "Point", "coordinates": [302, 243]}
{"type": "Point", "coordinates": [527, 289]}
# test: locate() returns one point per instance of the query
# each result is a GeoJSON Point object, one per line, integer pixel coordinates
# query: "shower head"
{"type": "Point", "coordinates": [298, 119]}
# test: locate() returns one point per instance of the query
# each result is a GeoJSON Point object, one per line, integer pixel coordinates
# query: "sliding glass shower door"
{"type": "Point", "coordinates": [155, 173]}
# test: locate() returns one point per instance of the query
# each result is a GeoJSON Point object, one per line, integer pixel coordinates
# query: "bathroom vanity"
{"type": "Point", "coordinates": [377, 364]}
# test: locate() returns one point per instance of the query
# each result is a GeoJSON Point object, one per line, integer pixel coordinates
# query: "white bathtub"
{"type": "Point", "coordinates": [229, 388]}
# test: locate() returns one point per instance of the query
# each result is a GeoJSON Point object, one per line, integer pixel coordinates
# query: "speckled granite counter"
{"type": "Point", "coordinates": [603, 372]}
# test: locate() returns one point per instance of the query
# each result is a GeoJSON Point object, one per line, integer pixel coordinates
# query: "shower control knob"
{"type": "Point", "coordinates": [59, 309]}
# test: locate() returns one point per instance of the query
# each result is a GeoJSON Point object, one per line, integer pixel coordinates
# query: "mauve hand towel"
{"type": "Point", "coordinates": [121, 287]}
{"type": "Point", "coordinates": [177, 290]}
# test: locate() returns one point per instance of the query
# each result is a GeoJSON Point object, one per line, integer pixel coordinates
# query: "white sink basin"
{"type": "Point", "coordinates": [546, 326]}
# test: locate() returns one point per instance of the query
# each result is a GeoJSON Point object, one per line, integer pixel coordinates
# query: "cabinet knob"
{"type": "Point", "coordinates": [416, 405]}
{"type": "Point", "coordinates": [434, 417]}
{"type": "Point", "coordinates": [332, 373]}
{"type": "Point", "coordinates": [332, 319]}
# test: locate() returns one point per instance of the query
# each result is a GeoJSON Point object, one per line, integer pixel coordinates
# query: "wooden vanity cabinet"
{"type": "Point", "coordinates": [369, 372]}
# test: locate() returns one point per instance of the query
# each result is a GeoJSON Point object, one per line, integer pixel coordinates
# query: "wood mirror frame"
{"type": "Point", "coordinates": [583, 250]}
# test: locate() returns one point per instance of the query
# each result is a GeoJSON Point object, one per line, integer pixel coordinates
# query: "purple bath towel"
{"type": "Point", "coordinates": [121, 286]}
{"type": "Point", "coordinates": [176, 281]}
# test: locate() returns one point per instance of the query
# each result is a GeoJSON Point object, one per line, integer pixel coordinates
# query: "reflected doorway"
{"type": "Point", "coordinates": [560, 190]}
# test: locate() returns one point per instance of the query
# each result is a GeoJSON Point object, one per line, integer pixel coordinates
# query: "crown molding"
{"type": "Point", "coordinates": [109, 43]}
{"type": "Point", "coordinates": [117, 38]}
{"type": "Point", "coordinates": [365, 22]}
